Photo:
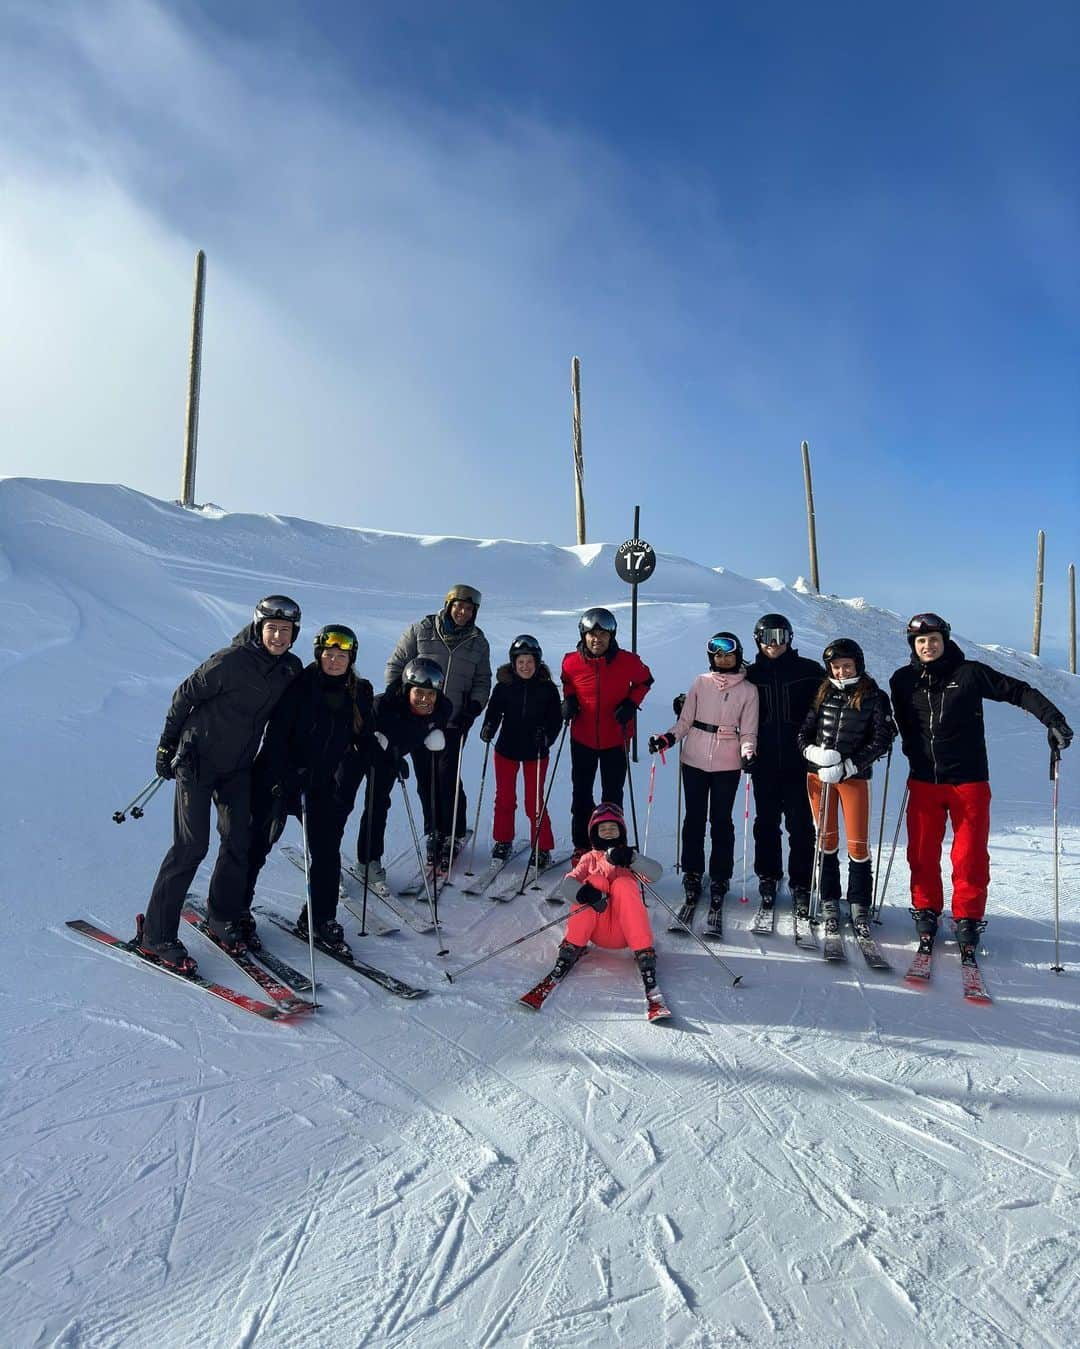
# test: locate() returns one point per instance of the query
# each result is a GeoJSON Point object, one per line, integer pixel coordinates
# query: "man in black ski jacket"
{"type": "Point", "coordinates": [211, 735]}
{"type": "Point", "coordinates": [937, 702]}
{"type": "Point", "coordinates": [786, 683]}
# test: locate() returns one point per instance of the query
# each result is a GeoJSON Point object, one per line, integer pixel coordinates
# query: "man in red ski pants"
{"type": "Point", "coordinates": [937, 701]}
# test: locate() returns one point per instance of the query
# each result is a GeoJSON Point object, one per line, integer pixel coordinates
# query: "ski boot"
{"type": "Point", "coordinates": [252, 940]}
{"type": "Point", "coordinates": [767, 891]}
{"type": "Point", "coordinates": [800, 900]}
{"type": "Point", "coordinates": [543, 860]}
{"type": "Point", "coordinates": [502, 851]}
{"type": "Point", "coordinates": [860, 919]}
{"type": "Point", "coordinates": [655, 1007]}
{"type": "Point", "coordinates": [968, 931]}
{"type": "Point", "coordinates": [230, 936]}
{"type": "Point", "coordinates": [433, 848]}
{"type": "Point", "coordinates": [328, 933]}
{"type": "Point", "coordinates": [926, 925]}
{"type": "Point", "coordinates": [172, 954]}
{"type": "Point", "coordinates": [374, 872]}
{"type": "Point", "coordinates": [567, 958]}
{"type": "Point", "coordinates": [714, 919]}
{"type": "Point", "coordinates": [691, 883]}
{"type": "Point", "coordinates": [830, 917]}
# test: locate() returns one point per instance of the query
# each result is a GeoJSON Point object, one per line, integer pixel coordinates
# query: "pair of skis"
{"type": "Point", "coordinates": [714, 918]}
{"type": "Point", "coordinates": [655, 1007]}
{"type": "Point", "coordinates": [502, 878]}
{"type": "Point", "coordinates": [919, 972]}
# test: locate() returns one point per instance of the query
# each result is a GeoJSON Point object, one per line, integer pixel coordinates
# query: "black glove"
{"type": "Point", "coordinates": [163, 761]}
{"type": "Point", "coordinates": [279, 813]}
{"type": "Point", "coordinates": [570, 707]}
{"type": "Point", "coordinates": [659, 742]}
{"type": "Point", "coordinates": [594, 898]}
{"type": "Point", "coordinates": [401, 764]}
{"type": "Point", "coordinates": [620, 855]}
{"type": "Point", "coordinates": [542, 741]}
{"type": "Point", "coordinates": [677, 703]}
{"type": "Point", "coordinates": [487, 731]}
{"type": "Point", "coordinates": [749, 763]}
{"type": "Point", "coordinates": [625, 711]}
{"type": "Point", "coordinates": [1059, 734]}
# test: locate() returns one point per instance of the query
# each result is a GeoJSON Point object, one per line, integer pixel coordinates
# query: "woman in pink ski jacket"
{"type": "Point", "coordinates": [718, 727]}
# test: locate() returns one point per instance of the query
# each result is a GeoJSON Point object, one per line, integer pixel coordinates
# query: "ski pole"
{"type": "Point", "coordinates": [369, 792]}
{"type": "Point", "coordinates": [881, 830]}
{"type": "Point", "coordinates": [476, 823]}
{"type": "Point", "coordinates": [535, 862]}
{"type": "Point", "coordinates": [547, 795]}
{"type": "Point", "coordinates": [630, 785]}
{"type": "Point", "coordinates": [678, 812]}
{"type": "Point", "coordinates": [516, 942]}
{"type": "Point", "coordinates": [307, 887]}
{"type": "Point", "coordinates": [138, 801]}
{"type": "Point", "coordinates": [453, 813]}
{"type": "Point", "coordinates": [423, 870]}
{"type": "Point", "coordinates": [819, 853]}
{"type": "Point", "coordinates": [648, 808]}
{"type": "Point", "coordinates": [892, 854]}
{"type": "Point", "coordinates": [745, 832]}
{"type": "Point", "coordinates": [436, 832]}
{"type": "Point", "coordinates": [1055, 769]}
{"type": "Point", "coordinates": [735, 978]}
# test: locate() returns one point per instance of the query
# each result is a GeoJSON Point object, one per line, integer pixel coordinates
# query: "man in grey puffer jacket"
{"type": "Point", "coordinates": [451, 638]}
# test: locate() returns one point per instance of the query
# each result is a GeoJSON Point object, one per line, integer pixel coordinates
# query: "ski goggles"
{"type": "Point", "coordinates": [924, 623]}
{"type": "Point", "coordinates": [773, 636]}
{"type": "Point", "coordinates": [338, 641]}
{"type": "Point", "coordinates": [724, 646]}
{"type": "Point", "coordinates": [598, 618]}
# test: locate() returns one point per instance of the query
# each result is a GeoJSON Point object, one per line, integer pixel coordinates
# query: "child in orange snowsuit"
{"type": "Point", "coordinates": [612, 914]}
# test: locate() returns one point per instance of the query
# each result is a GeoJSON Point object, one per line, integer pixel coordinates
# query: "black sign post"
{"type": "Point", "coordinates": [635, 562]}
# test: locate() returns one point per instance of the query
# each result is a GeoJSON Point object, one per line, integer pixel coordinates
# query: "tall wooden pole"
{"type": "Point", "coordinates": [579, 462]}
{"type": "Point", "coordinates": [1072, 618]}
{"type": "Point", "coordinates": [811, 528]}
{"type": "Point", "coordinates": [191, 419]}
{"type": "Point", "coordinates": [1040, 559]}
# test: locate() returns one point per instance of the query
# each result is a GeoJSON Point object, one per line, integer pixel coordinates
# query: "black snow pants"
{"type": "Point", "coordinates": [782, 794]}
{"type": "Point", "coordinates": [584, 762]}
{"type": "Point", "coordinates": [712, 796]}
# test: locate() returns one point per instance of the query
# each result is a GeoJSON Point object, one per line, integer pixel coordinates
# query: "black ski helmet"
{"type": "Point", "coordinates": [605, 811]}
{"type": "Point", "coordinates": [336, 635]}
{"type": "Point", "coordinates": [921, 624]}
{"type": "Point", "coordinates": [603, 619]}
{"type": "Point", "coordinates": [280, 607]}
{"type": "Point", "coordinates": [845, 648]}
{"type": "Point", "coordinates": [723, 643]}
{"type": "Point", "coordinates": [422, 673]}
{"type": "Point", "coordinates": [772, 625]}
{"type": "Point", "coordinates": [462, 592]}
{"type": "Point", "coordinates": [525, 645]}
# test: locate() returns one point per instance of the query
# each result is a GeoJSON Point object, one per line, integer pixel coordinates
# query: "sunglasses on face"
{"type": "Point", "coordinates": [338, 641]}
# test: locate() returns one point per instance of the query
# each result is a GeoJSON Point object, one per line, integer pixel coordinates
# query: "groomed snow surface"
{"type": "Point", "coordinates": [822, 1156]}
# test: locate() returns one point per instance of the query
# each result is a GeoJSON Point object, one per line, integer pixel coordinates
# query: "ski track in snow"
{"type": "Point", "coordinates": [820, 1156]}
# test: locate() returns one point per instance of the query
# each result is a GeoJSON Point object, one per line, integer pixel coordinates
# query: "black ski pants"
{"type": "Point", "coordinates": [326, 820]}
{"type": "Point", "coordinates": [377, 798]}
{"type": "Point", "coordinates": [709, 796]}
{"type": "Point", "coordinates": [584, 762]}
{"type": "Point", "coordinates": [191, 842]}
{"type": "Point", "coordinates": [781, 794]}
{"type": "Point", "coordinates": [440, 766]}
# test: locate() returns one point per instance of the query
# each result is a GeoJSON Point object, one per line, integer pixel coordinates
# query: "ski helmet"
{"type": "Point", "coordinates": [844, 648]}
{"type": "Point", "coordinates": [337, 637]}
{"type": "Point", "coordinates": [280, 607]}
{"type": "Point", "coordinates": [462, 592]}
{"type": "Point", "coordinates": [724, 643]}
{"type": "Point", "coordinates": [921, 624]}
{"type": "Point", "coordinates": [603, 619]}
{"type": "Point", "coordinates": [422, 673]}
{"type": "Point", "coordinates": [604, 812]}
{"type": "Point", "coordinates": [772, 628]}
{"type": "Point", "coordinates": [525, 645]}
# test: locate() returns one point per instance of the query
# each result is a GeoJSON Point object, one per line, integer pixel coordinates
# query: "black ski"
{"type": "Point", "coordinates": [764, 924]}
{"type": "Point", "coordinates": [804, 933]}
{"type": "Point", "coordinates": [385, 896]}
{"type": "Point", "coordinates": [872, 952]}
{"type": "Point", "coordinates": [686, 916]}
{"type": "Point", "coordinates": [398, 987]}
{"type": "Point", "coordinates": [714, 921]}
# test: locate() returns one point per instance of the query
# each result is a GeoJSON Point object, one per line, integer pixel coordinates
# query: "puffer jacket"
{"type": "Point", "coordinates": [595, 868]}
{"type": "Point", "coordinates": [219, 712]}
{"type": "Point", "coordinates": [718, 723]}
{"type": "Point", "coordinates": [522, 708]}
{"type": "Point", "coordinates": [862, 734]}
{"type": "Point", "coordinates": [462, 653]}
{"type": "Point", "coordinates": [600, 684]}
{"type": "Point", "coordinates": [404, 730]}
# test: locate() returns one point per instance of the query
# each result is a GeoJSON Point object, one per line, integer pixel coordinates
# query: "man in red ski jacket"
{"type": "Point", "coordinates": [603, 687]}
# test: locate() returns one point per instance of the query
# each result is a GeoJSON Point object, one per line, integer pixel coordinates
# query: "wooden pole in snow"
{"type": "Point", "coordinates": [811, 528]}
{"type": "Point", "coordinates": [191, 419]}
{"type": "Point", "coordinates": [1072, 618]}
{"type": "Point", "coordinates": [1040, 559]}
{"type": "Point", "coordinates": [579, 462]}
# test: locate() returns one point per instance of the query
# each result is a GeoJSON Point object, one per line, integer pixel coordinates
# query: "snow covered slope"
{"type": "Point", "coordinates": [821, 1156]}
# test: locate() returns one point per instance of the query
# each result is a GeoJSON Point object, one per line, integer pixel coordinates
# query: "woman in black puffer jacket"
{"type": "Point", "coordinates": [318, 742]}
{"type": "Point", "coordinates": [848, 726]}
{"type": "Point", "coordinates": [524, 711]}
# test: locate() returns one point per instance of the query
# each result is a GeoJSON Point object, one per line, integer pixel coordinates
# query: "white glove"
{"type": "Point", "coordinates": [381, 740]}
{"type": "Point", "coordinates": [435, 740]}
{"type": "Point", "coordinates": [824, 758]}
{"type": "Point", "coordinates": [838, 772]}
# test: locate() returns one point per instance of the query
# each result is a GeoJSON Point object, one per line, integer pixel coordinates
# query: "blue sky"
{"type": "Point", "coordinates": [755, 225]}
